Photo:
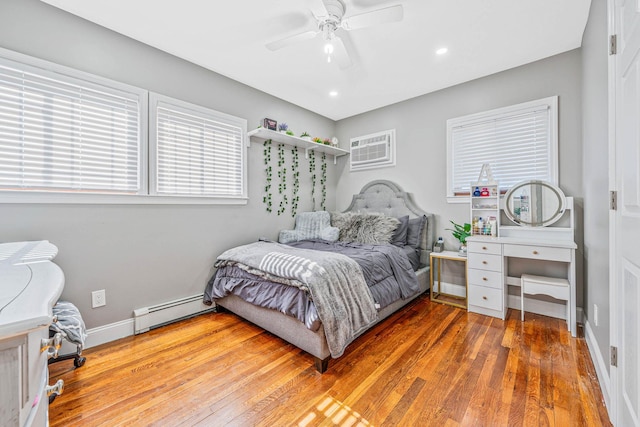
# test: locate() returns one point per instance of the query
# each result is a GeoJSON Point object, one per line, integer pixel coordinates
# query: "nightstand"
{"type": "Point", "coordinates": [435, 273]}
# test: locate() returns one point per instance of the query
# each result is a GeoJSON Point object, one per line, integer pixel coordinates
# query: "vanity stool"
{"type": "Point", "coordinates": [539, 285]}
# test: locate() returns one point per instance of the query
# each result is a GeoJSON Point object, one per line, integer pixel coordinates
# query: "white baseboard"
{"type": "Point", "coordinates": [170, 312]}
{"type": "Point", "coordinates": [599, 363]}
{"type": "Point", "coordinates": [101, 335]}
{"type": "Point", "coordinates": [452, 289]}
{"type": "Point", "coordinates": [545, 308]}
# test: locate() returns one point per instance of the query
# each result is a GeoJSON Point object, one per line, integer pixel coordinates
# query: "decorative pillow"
{"type": "Point", "coordinates": [399, 237]}
{"type": "Point", "coordinates": [310, 225]}
{"type": "Point", "coordinates": [414, 232]}
{"type": "Point", "coordinates": [375, 229]}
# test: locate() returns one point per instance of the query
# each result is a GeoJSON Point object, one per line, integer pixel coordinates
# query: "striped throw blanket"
{"type": "Point", "coordinates": [334, 281]}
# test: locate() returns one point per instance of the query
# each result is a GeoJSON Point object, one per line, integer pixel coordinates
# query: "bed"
{"type": "Point", "coordinates": [377, 197]}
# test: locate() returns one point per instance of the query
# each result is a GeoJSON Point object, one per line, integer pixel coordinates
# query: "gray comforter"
{"type": "Point", "coordinates": [385, 268]}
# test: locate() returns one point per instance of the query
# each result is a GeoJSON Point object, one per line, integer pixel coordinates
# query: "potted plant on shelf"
{"type": "Point", "coordinates": [326, 141]}
{"type": "Point", "coordinates": [305, 136]}
{"type": "Point", "coordinates": [461, 232]}
{"type": "Point", "coordinates": [289, 132]}
{"type": "Point", "coordinates": [283, 127]}
{"type": "Point", "coordinates": [318, 140]}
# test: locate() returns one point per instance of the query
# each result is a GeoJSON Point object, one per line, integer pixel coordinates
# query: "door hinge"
{"type": "Point", "coordinates": [613, 44]}
{"type": "Point", "coordinates": [613, 200]}
{"type": "Point", "coordinates": [614, 356]}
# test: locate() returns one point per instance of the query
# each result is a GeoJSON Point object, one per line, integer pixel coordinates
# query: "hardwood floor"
{"type": "Point", "coordinates": [428, 365]}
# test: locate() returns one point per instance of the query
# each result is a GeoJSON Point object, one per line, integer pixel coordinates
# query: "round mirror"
{"type": "Point", "coordinates": [534, 203]}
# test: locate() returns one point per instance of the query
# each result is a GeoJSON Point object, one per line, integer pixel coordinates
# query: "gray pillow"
{"type": "Point", "coordinates": [310, 225]}
{"type": "Point", "coordinates": [399, 237]}
{"type": "Point", "coordinates": [414, 231]}
{"type": "Point", "coordinates": [375, 229]}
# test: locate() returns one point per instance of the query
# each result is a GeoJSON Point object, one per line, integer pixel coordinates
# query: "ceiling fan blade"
{"type": "Point", "coordinates": [318, 9]}
{"type": "Point", "coordinates": [288, 41]}
{"type": "Point", "coordinates": [341, 54]}
{"type": "Point", "coordinates": [376, 17]}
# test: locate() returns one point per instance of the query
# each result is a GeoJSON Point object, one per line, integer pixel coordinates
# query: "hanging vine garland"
{"type": "Point", "coordinates": [296, 181]}
{"type": "Point", "coordinates": [323, 181]}
{"type": "Point", "coordinates": [282, 174]}
{"type": "Point", "coordinates": [312, 172]}
{"type": "Point", "coordinates": [267, 200]}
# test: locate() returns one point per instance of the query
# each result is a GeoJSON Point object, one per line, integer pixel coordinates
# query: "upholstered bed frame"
{"type": "Point", "coordinates": [376, 197]}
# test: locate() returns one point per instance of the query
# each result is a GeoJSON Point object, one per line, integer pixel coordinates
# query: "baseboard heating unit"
{"type": "Point", "coordinates": [147, 318]}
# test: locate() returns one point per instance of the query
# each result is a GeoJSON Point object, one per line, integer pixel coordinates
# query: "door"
{"type": "Point", "coordinates": [625, 253]}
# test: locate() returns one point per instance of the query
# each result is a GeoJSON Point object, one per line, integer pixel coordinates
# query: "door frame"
{"type": "Point", "coordinates": [613, 228]}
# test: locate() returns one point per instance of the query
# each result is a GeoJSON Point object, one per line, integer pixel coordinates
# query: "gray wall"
{"type": "Point", "coordinates": [595, 160]}
{"type": "Point", "coordinates": [420, 125]}
{"type": "Point", "coordinates": [142, 255]}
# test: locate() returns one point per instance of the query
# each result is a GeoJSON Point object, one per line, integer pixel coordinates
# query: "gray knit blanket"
{"type": "Point", "coordinates": [69, 323]}
{"type": "Point", "coordinates": [335, 282]}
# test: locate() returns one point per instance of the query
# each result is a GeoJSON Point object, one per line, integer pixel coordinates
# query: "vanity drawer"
{"type": "Point", "coordinates": [484, 262]}
{"type": "Point", "coordinates": [483, 296]}
{"type": "Point", "coordinates": [538, 252]}
{"type": "Point", "coordinates": [484, 248]}
{"type": "Point", "coordinates": [492, 279]}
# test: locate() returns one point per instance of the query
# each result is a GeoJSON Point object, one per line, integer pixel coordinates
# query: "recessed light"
{"type": "Point", "coordinates": [442, 51]}
{"type": "Point", "coordinates": [333, 93]}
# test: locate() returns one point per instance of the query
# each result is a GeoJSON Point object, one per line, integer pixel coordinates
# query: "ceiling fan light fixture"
{"type": "Point", "coordinates": [328, 50]}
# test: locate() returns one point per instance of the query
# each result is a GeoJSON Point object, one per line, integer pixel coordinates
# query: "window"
{"type": "Point", "coordinates": [196, 151]}
{"type": "Point", "coordinates": [72, 137]}
{"type": "Point", "coordinates": [519, 142]}
{"type": "Point", "coordinates": [62, 133]}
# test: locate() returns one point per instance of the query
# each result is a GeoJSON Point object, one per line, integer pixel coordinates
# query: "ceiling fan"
{"type": "Point", "coordinates": [329, 15]}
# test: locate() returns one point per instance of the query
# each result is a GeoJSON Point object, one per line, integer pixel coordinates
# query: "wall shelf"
{"type": "Point", "coordinates": [282, 138]}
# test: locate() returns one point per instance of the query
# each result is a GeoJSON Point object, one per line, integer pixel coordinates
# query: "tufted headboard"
{"type": "Point", "coordinates": [388, 198]}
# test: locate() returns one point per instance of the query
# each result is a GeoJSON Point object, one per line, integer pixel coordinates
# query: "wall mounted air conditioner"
{"type": "Point", "coordinates": [373, 151]}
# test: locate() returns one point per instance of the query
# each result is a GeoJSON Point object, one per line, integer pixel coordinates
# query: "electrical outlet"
{"type": "Point", "coordinates": [595, 314]}
{"type": "Point", "coordinates": [98, 298]}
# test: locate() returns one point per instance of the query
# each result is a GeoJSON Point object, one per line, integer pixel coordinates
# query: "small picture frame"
{"type": "Point", "coordinates": [270, 124]}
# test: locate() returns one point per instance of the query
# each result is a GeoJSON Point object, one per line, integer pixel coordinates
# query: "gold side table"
{"type": "Point", "coordinates": [436, 259]}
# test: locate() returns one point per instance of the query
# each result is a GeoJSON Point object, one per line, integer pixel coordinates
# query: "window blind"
{"type": "Point", "coordinates": [198, 154]}
{"type": "Point", "coordinates": [517, 145]}
{"type": "Point", "coordinates": [59, 133]}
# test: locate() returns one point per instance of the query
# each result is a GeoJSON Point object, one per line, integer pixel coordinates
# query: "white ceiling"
{"type": "Point", "coordinates": [392, 62]}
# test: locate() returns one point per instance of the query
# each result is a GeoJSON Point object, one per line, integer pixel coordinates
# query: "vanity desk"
{"type": "Point", "coordinates": [488, 258]}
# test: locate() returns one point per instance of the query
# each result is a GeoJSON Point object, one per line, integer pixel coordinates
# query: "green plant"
{"type": "Point", "coordinates": [312, 172]}
{"type": "Point", "coordinates": [318, 140]}
{"type": "Point", "coordinates": [295, 198]}
{"type": "Point", "coordinates": [290, 133]}
{"type": "Point", "coordinates": [326, 141]}
{"type": "Point", "coordinates": [323, 182]}
{"type": "Point", "coordinates": [267, 199]}
{"type": "Point", "coordinates": [460, 232]}
{"type": "Point", "coordinates": [282, 174]}
{"type": "Point", "coordinates": [304, 134]}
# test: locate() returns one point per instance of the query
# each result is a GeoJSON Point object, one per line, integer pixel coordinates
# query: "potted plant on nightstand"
{"type": "Point", "coordinates": [461, 232]}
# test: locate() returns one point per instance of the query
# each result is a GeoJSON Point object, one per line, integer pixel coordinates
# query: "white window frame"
{"type": "Point", "coordinates": [551, 103]}
{"type": "Point", "coordinates": [155, 101]}
{"type": "Point", "coordinates": [69, 75]}
{"type": "Point", "coordinates": [145, 196]}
